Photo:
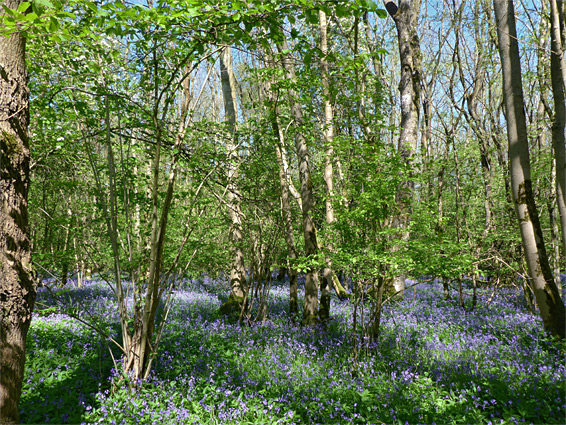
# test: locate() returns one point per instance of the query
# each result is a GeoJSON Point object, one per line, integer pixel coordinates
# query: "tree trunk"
{"type": "Point", "coordinates": [288, 220]}
{"type": "Point", "coordinates": [310, 309]}
{"type": "Point", "coordinates": [284, 184]}
{"type": "Point", "coordinates": [66, 260]}
{"type": "Point", "coordinates": [546, 293]}
{"type": "Point", "coordinates": [474, 97]}
{"type": "Point", "coordinates": [554, 233]}
{"type": "Point", "coordinates": [328, 131]}
{"type": "Point", "coordinates": [237, 272]}
{"type": "Point", "coordinates": [558, 76]}
{"type": "Point", "coordinates": [405, 17]}
{"type": "Point", "coordinates": [17, 284]}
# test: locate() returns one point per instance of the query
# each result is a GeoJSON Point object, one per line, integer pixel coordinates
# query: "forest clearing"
{"type": "Point", "coordinates": [282, 211]}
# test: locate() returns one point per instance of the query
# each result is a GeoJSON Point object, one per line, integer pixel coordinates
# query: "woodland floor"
{"type": "Point", "coordinates": [434, 363]}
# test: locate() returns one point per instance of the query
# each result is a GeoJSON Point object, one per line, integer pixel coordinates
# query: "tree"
{"type": "Point", "coordinates": [405, 16]}
{"type": "Point", "coordinates": [237, 271]}
{"type": "Point", "coordinates": [558, 77]}
{"type": "Point", "coordinates": [328, 131]}
{"type": "Point", "coordinates": [546, 292]}
{"type": "Point", "coordinates": [17, 284]}
{"type": "Point", "coordinates": [285, 185]}
{"type": "Point", "coordinates": [310, 308]}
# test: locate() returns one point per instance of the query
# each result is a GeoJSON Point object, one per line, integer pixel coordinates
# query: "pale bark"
{"type": "Point", "coordinates": [405, 17]}
{"type": "Point", "coordinates": [292, 189]}
{"type": "Point", "coordinates": [140, 344]}
{"type": "Point", "coordinates": [288, 220]}
{"type": "Point", "coordinates": [328, 131]}
{"type": "Point", "coordinates": [548, 299]}
{"type": "Point", "coordinates": [477, 123]}
{"type": "Point", "coordinates": [237, 272]}
{"type": "Point", "coordinates": [17, 284]}
{"type": "Point", "coordinates": [558, 76]}
{"type": "Point", "coordinates": [310, 309]}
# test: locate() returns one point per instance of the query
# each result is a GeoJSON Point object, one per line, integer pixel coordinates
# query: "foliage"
{"type": "Point", "coordinates": [108, 77]}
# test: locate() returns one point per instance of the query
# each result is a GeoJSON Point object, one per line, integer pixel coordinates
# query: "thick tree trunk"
{"type": "Point", "coordinates": [546, 293]}
{"type": "Point", "coordinates": [310, 309]}
{"type": "Point", "coordinates": [405, 16]}
{"type": "Point", "coordinates": [17, 284]}
{"type": "Point", "coordinates": [558, 76]}
{"type": "Point", "coordinates": [237, 272]}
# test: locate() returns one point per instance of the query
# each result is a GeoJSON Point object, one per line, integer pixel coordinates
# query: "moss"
{"type": "Point", "coordinates": [340, 291]}
{"type": "Point", "coordinates": [310, 320]}
{"type": "Point", "coordinates": [232, 307]}
{"type": "Point", "coordinates": [10, 144]}
{"type": "Point", "coordinates": [389, 290]}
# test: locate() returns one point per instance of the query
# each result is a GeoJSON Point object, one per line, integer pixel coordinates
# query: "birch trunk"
{"type": "Point", "coordinates": [540, 275]}
{"type": "Point", "coordinates": [17, 284]}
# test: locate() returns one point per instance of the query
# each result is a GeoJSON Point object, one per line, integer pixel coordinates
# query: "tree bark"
{"type": "Point", "coordinates": [17, 284]}
{"type": "Point", "coordinates": [237, 272]}
{"type": "Point", "coordinates": [285, 185]}
{"type": "Point", "coordinates": [288, 220]}
{"type": "Point", "coordinates": [328, 131]}
{"type": "Point", "coordinates": [310, 308]}
{"type": "Point", "coordinates": [546, 293]}
{"type": "Point", "coordinates": [558, 76]}
{"type": "Point", "coordinates": [554, 232]}
{"type": "Point", "coordinates": [405, 17]}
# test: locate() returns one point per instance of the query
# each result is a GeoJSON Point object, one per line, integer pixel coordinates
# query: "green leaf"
{"type": "Point", "coordinates": [381, 13]}
{"type": "Point", "coordinates": [192, 12]}
{"type": "Point", "coordinates": [23, 6]}
{"type": "Point", "coordinates": [53, 24]}
{"type": "Point", "coordinates": [342, 11]}
{"type": "Point", "coordinates": [46, 3]}
{"type": "Point", "coordinates": [91, 6]}
{"type": "Point", "coordinates": [30, 17]}
{"type": "Point", "coordinates": [8, 11]}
